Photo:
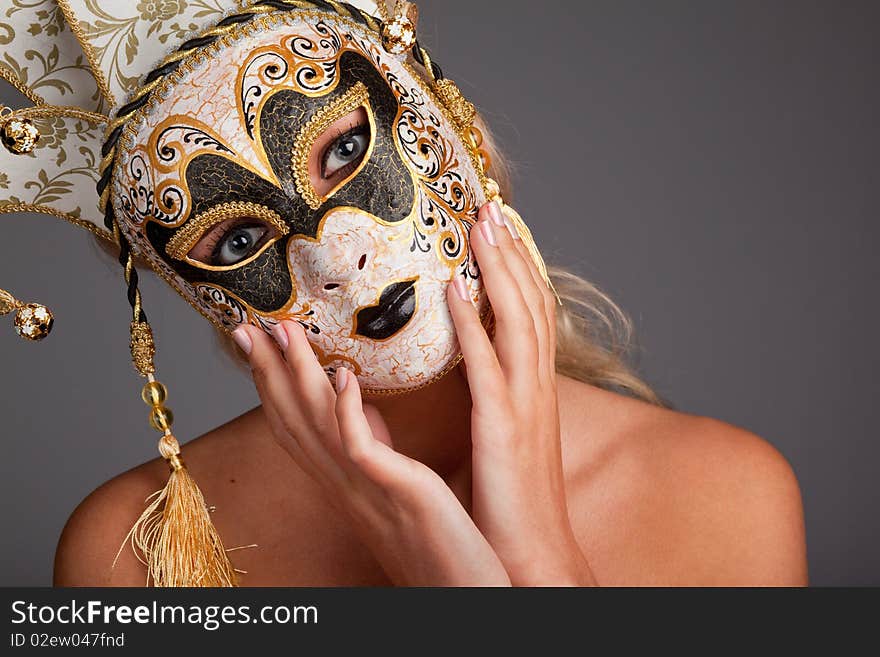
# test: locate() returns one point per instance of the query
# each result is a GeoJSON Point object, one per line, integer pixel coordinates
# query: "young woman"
{"type": "Point", "coordinates": [507, 471]}
{"type": "Point", "coordinates": [537, 459]}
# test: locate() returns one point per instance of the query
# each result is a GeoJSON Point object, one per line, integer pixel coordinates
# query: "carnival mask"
{"type": "Point", "coordinates": [296, 170]}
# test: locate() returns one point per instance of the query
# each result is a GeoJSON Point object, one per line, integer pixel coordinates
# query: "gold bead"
{"type": "Point", "coordinates": [161, 418]}
{"type": "Point", "coordinates": [154, 394]}
{"type": "Point", "coordinates": [142, 348]}
{"type": "Point", "coordinates": [398, 36]}
{"type": "Point", "coordinates": [485, 160]}
{"type": "Point", "coordinates": [33, 321]}
{"type": "Point", "coordinates": [475, 137]}
{"type": "Point", "coordinates": [19, 136]}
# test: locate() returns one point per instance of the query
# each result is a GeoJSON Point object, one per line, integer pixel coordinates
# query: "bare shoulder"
{"type": "Point", "coordinates": [682, 499]}
{"type": "Point", "coordinates": [98, 526]}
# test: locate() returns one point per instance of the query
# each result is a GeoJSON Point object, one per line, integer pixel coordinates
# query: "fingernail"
{"type": "Point", "coordinates": [514, 233]}
{"type": "Point", "coordinates": [461, 287]}
{"type": "Point", "coordinates": [280, 335]}
{"type": "Point", "coordinates": [243, 340]}
{"type": "Point", "coordinates": [488, 233]}
{"type": "Point", "coordinates": [341, 379]}
{"type": "Point", "coordinates": [495, 213]}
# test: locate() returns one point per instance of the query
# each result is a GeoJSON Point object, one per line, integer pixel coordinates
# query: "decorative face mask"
{"type": "Point", "coordinates": [296, 170]}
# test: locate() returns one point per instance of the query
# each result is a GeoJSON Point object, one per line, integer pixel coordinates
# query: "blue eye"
{"type": "Point", "coordinates": [238, 243]}
{"type": "Point", "coordinates": [346, 152]}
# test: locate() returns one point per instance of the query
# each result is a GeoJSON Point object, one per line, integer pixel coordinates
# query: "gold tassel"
{"type": "Point", "coordinates": [174, 537]}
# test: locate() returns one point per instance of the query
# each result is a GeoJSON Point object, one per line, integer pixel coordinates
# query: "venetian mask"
{"type": "Point", "coordinates": [297, 170]}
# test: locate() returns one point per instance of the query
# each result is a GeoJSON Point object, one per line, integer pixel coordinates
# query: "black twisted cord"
{"type": "Point", "coordinates": [417, 55]}
{"type": "Point", "coordinates": [132, 292]}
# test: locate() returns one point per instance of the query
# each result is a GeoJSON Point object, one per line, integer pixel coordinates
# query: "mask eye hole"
{"type": "Point", "coordinates": [227, 236]}
{"type": "Point", "coordinates": [340, 152]}
{"type": "Point", "coordinates": [232, 242]}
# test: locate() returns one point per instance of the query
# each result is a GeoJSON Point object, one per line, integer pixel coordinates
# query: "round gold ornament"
{"type": "Point", "coordinates": [399, 30]}
{"type": "Point", "coordinates": [398, 36]}
{"type": "Point", "coordinates": [19, 136]}
{"type": "Point", "coordinates": [33, 321]}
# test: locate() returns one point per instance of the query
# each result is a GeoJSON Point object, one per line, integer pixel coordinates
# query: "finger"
{"type": "Point", "coordinates": [549, 298]}
{"type": "Point", "coordinates": [279, 395]}
{"type": "Point", "coordinates": [354, 430]}
{"type": "Point", "coordinates": [377, 424]}
{"type": "Point", "coordinates": [515, 334]}
{"type": "Point", "coordinates": [484, 374]}
{"type": "Point", "coordinates": [520, 270]}
{"type": "Point", "coordinates": [290, 445]}
{"type": "Point", "coordinates": [315, 391]}
{"type": "Point", "coordinates": [378, 461]}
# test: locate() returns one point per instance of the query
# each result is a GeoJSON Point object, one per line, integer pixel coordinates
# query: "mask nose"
{"type": "Point", "coordinates": [347, 247]}
{"type": "Point", "coordinates": [361, 263]}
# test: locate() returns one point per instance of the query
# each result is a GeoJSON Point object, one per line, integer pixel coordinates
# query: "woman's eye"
{"type": "Point", "coordinates": [238, 244]}
{"type": "Point", "coordinates": [345, 152]}
{"type": "Point", "coordinates": [230, 243]}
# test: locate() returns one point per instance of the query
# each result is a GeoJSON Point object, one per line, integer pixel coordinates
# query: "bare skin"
{"type": "Point", "coordinates": [618, 492]}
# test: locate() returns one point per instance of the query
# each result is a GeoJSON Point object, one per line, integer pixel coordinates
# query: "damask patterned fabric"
{"type": "Point", "coordinates": [125, 39]}
{"type": "Point", "coordinates": [42, 57]}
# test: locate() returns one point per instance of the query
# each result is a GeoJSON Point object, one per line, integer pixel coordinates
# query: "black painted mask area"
{"type": "Point", "coordinates": [383, 187]}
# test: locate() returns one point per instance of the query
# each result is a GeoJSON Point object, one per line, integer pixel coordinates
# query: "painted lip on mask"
{"type": "Point", "coordinates": [396, 306]}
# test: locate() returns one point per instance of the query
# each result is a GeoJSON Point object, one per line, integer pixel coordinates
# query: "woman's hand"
{"type": "Point", "coordinates": [519, 500]}
{"type": "Point", "coordinates": [403, 511]}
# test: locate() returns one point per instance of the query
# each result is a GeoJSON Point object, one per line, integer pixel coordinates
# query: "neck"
{"type": "Point", "coordinates": [431, 425]}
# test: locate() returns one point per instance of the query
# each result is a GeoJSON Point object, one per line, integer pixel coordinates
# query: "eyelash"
{"type": "Point", "coordinates": [360, 129]}
{"type": "Point", "coordinates": [213, 243]}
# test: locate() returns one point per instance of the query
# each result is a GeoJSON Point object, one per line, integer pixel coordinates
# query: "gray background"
{"type": "Point", "coordinates": [712, 165]}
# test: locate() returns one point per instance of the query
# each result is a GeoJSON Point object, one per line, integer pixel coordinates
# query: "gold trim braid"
{"type": "Point", "coordinates": [314, 128]}
{"type": "Point", "coordinates": [188, 236]}
{"type": "Point", "coordinates": [8, 303]}
{"type": "Point", "coordinates": [59, 111]}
